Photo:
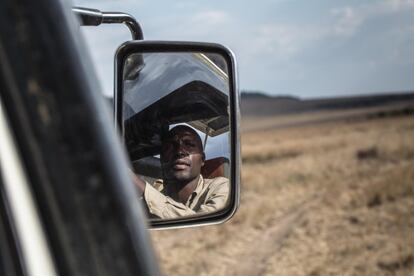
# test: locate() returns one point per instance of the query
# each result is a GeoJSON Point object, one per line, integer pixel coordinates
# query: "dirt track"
{"type": "Point", "coordinates": [253, 260]}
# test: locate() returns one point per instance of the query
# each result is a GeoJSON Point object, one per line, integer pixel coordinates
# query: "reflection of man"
{"type": "Point", "coordinates": [183, 190]}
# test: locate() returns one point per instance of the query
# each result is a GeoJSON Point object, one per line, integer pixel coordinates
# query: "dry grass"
{"type": "Point", "coordinates": [332, 198]}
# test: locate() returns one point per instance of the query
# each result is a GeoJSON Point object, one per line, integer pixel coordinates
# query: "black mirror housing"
{"type": "Point", "coordinates": [160, 96]}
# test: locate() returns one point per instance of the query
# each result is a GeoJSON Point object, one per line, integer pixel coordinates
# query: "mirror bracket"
{"type": "Point", "coordinates": [94, 17]}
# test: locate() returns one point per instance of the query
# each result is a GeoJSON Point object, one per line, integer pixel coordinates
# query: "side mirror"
{"type": "Point", "coordinates": [177, 109]}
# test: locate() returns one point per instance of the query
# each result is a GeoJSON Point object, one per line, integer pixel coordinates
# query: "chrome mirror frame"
{"type": "Point", "coordinates": [131, 47]}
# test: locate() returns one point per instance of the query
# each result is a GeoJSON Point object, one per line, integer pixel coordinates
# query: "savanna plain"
{"type": "Point", "coordinates": [323, 198]}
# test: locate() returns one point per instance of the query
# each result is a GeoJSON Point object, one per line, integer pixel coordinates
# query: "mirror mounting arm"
{"type": "Point", "coordinates": [127, 19]}
{"type": "Point", "coordinates": [94, 17]}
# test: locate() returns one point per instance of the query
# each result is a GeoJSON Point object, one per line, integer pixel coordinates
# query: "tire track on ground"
{"type": "Point", "coordinates": [253, 260]}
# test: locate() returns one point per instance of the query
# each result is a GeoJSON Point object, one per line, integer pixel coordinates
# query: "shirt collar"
{"type": "Point", "coordinates": [200, 185]}
{"type": "Point", "coordinates": [197, 191]}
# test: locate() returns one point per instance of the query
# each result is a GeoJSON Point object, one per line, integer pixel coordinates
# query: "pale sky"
{"type": "Point", "coordinates": [309, 49]}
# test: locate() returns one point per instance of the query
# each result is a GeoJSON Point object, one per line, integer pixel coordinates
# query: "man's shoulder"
{"type": "Point", "coordinates": [216, 181]}
{"type": "Point", "coordinates": [158, 184]}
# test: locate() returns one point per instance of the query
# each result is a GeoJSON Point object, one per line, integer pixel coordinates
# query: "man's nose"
{"type": "Point", "coordinates": [180, 148]}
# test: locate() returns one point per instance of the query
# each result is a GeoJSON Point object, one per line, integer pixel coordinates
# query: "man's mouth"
{"type": "Point", "coordinates": [180, 164]}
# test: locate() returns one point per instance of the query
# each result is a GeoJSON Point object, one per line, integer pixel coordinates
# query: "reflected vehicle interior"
{"type": "Point", "coordinates": [161, 90]}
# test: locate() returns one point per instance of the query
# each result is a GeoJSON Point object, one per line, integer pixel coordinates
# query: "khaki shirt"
{"type": "Point", "coordinates": [209, 195]}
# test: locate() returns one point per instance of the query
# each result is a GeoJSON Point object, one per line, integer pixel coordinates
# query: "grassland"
{"type": "Point", "coordinates": [333, 198]}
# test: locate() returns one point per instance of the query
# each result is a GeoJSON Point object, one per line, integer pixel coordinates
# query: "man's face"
{"type": "Point", "coordinates": [181, 155]}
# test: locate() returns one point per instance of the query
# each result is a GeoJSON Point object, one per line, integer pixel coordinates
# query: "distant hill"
{"type": "Point", "coordinates": [261, 95]}
{"type": "Point", "coordinates": [254, 95]}
{"type": "Point", "coordinates": [259, 104]}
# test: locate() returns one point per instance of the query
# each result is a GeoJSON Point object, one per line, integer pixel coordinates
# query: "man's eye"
{"type": "Point", "coordinates": [189, 144]}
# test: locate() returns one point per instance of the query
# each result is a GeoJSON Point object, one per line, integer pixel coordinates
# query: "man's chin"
{"type": "Point", "coordinates": [181, 176]}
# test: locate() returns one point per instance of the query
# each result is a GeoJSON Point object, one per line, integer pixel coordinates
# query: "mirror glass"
{"type": "Point", "coordinates": [176, 128]}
